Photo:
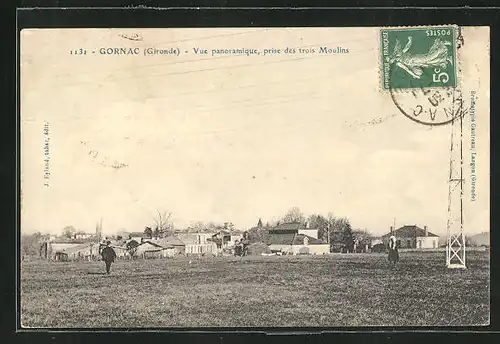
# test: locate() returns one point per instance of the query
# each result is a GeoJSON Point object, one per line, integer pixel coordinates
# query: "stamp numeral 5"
{"type": "Point", "coordinates": [439, 76]}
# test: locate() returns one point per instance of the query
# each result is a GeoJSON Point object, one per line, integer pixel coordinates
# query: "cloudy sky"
{"type": "Point", "coordinates": [232, 138]}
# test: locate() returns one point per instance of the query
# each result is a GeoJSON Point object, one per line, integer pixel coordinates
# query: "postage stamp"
{"type": "Point", "coordinates": [418, 57]}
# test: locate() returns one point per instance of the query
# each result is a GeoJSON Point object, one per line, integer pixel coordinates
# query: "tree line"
{"type": "Point", "coordinates": [335, 230]}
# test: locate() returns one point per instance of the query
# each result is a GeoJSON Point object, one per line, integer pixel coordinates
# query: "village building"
{"type": "Point", "coordinates": [79, 250]}
{"type": "Point", "coordinates": [236, 236]}
{"type": "Point", "coordinates": [73, 251]}
{"type": "Point", "coordinates": [82, 235]}
{"type": "Point", "coordinates": [227, 238]}
{"type": "Point", "coordinates": [377, 245]}
{"type": "Point", "coordinates": [412, 236]}
{"type": "Point", "coordinates": [138, 236]}
{"type": "Point", "coordinates": [171, 241]}
{"type": "Point", "coordinates": [198, 243]}
{"type": "Point", "coordinates": [201, 249]}
{"type": "Point", "coordinates": [291, 238]}
{"type": "Point", "coordinates": [195, 238]}
{"type": "Point", "coordinates": [150, 250]}
{"type": "Point", "coordinates": [296, 228]}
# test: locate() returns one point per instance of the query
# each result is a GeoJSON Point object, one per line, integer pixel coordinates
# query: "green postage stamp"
{"type": "Point", "coordinates": [418, 57]}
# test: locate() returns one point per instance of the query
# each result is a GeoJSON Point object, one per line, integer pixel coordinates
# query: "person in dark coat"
{"type": "Point", "coordinates": [108, 255]}
{"type": "Point", "coordinates": [245, 241]}
{"type": "Point", "coordinates": [393, 250]}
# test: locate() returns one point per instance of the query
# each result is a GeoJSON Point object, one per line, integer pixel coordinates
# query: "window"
{"type": "Point", "coordinates": [408, 243]}
{"type": "Point", "coordinates": [398, 243]}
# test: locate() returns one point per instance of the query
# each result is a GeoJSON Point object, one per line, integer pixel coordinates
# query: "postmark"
{"type": "Point", "coordinates": [418, 57]}
{"type": "Point", "coordinates": [430, 106]}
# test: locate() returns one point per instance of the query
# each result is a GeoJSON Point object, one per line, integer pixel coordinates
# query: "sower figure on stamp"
{"type": "Point", "coordinates": [108, 255]}
{"type": "Point", "coordinates": [393, 250]}
{"type": "Point", "coordinates": [437, 57]}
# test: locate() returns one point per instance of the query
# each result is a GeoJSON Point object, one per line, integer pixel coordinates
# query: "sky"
{"type": "Point", "coordinates": [232, 138]}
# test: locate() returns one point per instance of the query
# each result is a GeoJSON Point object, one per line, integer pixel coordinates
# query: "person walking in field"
{"type": "Point", "coordinates": [108, 255]}
{"type": "Point", "coordinates": [393, 250]}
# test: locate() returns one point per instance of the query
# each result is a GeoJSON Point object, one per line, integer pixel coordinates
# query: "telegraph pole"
{"type": "Point", "coordinates": [328, 229]}
{"type": "Point", "coordinates": [455, 245]}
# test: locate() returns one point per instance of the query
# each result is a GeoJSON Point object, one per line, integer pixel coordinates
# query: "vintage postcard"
{"type": "Point", "coordinates": [254, 177]}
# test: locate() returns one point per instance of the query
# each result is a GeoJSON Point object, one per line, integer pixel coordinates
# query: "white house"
{"type": "Point", "coordinates": [83, 236]}
{"type": "Point", "coordinates": [306, 230]}
{"type": "Point", "coordinates": [294, 243]}
{"type": "Point", "coordinates": [194, 249]}
{"type": "Point", "coordinates": [412, 236]}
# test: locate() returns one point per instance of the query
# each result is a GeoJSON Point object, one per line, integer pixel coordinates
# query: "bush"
{"type": "Point", "coordinates": [379, 248]}
{"type": "Point", "coordinates": [257, 249]}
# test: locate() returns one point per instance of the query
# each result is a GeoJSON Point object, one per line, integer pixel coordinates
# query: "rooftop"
{"type": "Point", "coordinates": [173, 241]}
{"type": "Point", "coordinates": [155, 243]}
{"type": "Point", "coordinates": [137, 234]}
{"type": "Point", "coordinates": [291, 239]}
{"type": "Point", "coordinates": [410, 231]}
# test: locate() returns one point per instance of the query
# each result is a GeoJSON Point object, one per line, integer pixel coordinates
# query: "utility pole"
{"type": "Point", "coordinates": [455, 244]}
{"type": "Point", "coordinates": [98, 230]}
{"type": "Point", "coordinates": [328, 227]}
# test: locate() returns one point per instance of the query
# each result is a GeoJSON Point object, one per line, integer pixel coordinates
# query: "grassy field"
{"type": "Point", "coordinates": [327, 291]}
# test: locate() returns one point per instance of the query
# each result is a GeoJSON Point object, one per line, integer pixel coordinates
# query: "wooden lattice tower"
{"type": "Point", "coordinates": [455, 245]}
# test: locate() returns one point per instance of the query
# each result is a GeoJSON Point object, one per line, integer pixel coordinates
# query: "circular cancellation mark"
{"type": "Point", "coordinates": [432, 106]}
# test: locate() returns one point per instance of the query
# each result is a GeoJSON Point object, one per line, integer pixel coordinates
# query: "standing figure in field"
{"type": "Point", "coordinates": [241, 247]}
{"type": "Point", "coordinates": [108, 255]}
{"type": "Point", "coordinates": [393, 250]}
{"type": "Point", "coordinates": [245, 241]}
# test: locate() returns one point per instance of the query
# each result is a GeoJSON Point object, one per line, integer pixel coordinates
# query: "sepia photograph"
{"type": "Point", "coordinates": [254, 177]}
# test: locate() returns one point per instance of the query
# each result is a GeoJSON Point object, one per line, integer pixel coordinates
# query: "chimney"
{"type": "Point", "coordinates": [425, 231]}
{"type": "Point", "coordinates": [392, 230]}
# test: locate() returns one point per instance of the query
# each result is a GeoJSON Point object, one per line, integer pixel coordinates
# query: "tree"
{"type": "Point", "coordinates": [228, 226]}
{"type": "Point", "coordinates": [347, 237]}
{"type": "Point", "coordinates": [336, 226]}
{"type": "Point", "coordinates": [212, 227]}
{"type": "Point", "coordinates": [149, 232]}
{"type": "Point", "coordinates": [469, 242]}
{"type": "Point", "coordinates": [259, 224]}
{"type": "Point", "coordinates": [69, 231]}
{"type": "Point", "coordinates": [362, 238]}
{"type": "Point", "coordinates": [321, 223]}
{"type": "Point", "coordinates": [257, 234]}
{"type": "Point", "coordinates": [156, 233]}
{"type": "Point", "coordinates": [30, 244]}
{"type": "Point", "coordinates": [293, 215]}
{"type": "Point", "coordinates": [197, 227]}
{"type": "Point", "coordinates": [162, 222]}
{"type": "Point", "coordinates": [132, 247]}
